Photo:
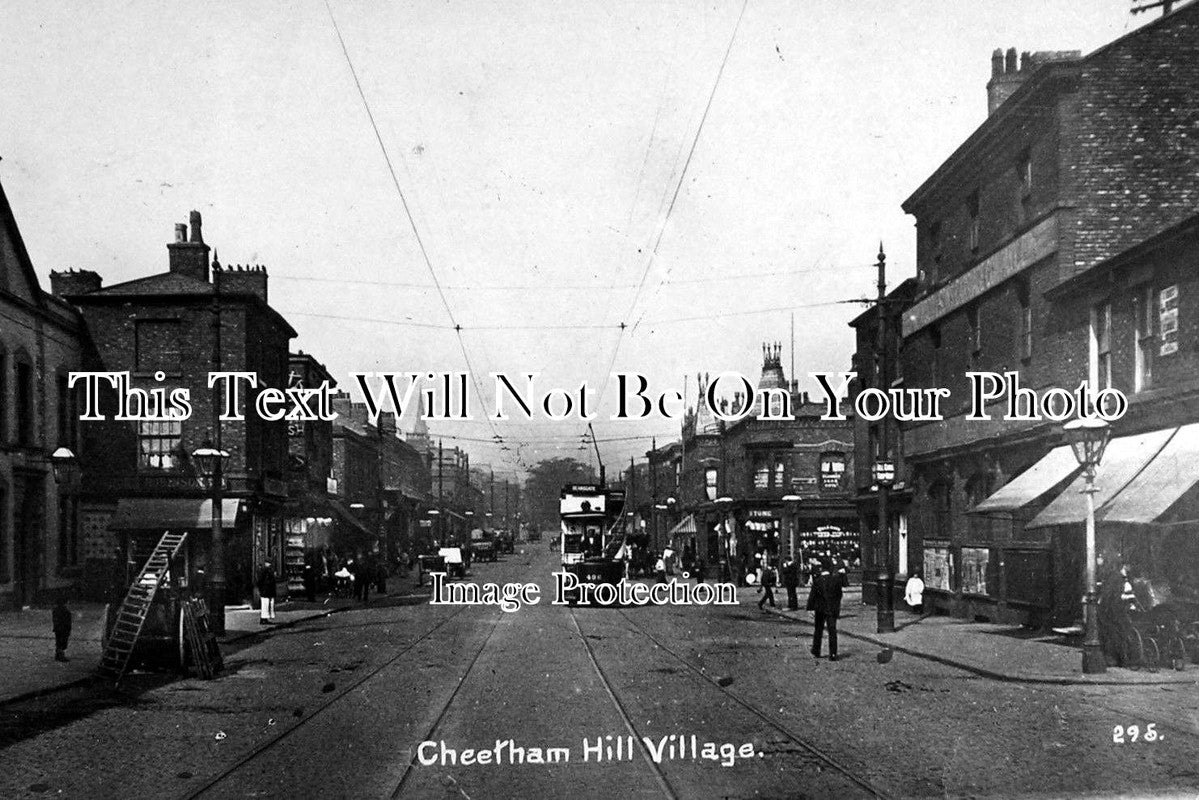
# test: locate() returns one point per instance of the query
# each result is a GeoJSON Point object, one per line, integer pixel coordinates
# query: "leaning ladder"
{"type": "Point", "coordinates": [131, 616]}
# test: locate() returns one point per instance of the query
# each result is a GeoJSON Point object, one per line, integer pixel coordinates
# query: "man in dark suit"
{"type": "Point", "coordinates": [825, 600]}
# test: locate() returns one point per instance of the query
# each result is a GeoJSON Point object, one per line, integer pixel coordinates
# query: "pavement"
{"type": "Point", "coordinates": [28, 668]}
{"type": "Point", "coordinates": [1001, 652]}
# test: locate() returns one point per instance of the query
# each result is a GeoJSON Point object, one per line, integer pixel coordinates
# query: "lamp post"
{"type": "Point", "coordinates": [210, 461]}
{"type": "Point", "coordinates": [792, 501]}
{"type": "Point", "coordinates": [1088, 437]}
{"type": "Point", "coordinates": [724, 503]}
{"type": "Point", "coordinates": [884, 476]}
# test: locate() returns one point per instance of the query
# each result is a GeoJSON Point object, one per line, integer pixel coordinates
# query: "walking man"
{"type": "Point", "coordinates": [267, 586]}
{"type": "Point", "coordinates": [825, 601]}
{"type": "Point", "coordinates": [62, 629]}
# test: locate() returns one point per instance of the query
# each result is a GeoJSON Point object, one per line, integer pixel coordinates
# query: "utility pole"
{"type": "Point", "coordinates": [217, 567]}
{"type": "Point", "coordinates": [491, 503]}
{"type": "Point", "coordinates": [885, 602]}
{"type": "Point", "coordinates": [440, 501]}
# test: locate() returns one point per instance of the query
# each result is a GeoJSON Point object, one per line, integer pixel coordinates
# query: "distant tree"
{"type": "Point", "coordinates": [544, 485]}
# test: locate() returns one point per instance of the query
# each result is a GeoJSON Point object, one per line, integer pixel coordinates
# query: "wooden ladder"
{"type": "Point", "coordinates": [205, 654]}
{"type": "Point", "coordinates": [131, 616]}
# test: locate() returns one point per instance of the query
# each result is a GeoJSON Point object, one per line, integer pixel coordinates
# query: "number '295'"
{"type": "Point", "coordinates": [1135, 733]}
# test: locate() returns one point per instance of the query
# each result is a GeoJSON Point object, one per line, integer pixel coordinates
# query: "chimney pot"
{"type": "Point", "coordinates": [197, 235]}
{"type": "Point", "coordinates": [180, 231]}
{"type": "Point", "coordinates": [997, 63]}
{"type": "Point", "coordinates": [1010, 61]}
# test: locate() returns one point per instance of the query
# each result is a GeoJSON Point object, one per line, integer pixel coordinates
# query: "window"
{"type": "Point", "coordinates": [976, 333]}
{"type": "Point", "coordinates": [710, 486]}
{"type": "Point", "coordinates": [974, 569]}
{"type": "Point", "coordinates": [4, 571]}
{"type": "Point", "coordinates": [832, 469]}
{"type": "Point", "coordinates": [761, 473]}
{"type": "Point", "coordinates": [934, 338]}
{"type": "Point", "coordinates": [938, 565]}
{"type": "Point", "coordinates": [5, 403]}
{"type": "Point", "coordinates": [159, 443]}
{"type": "Point", "coordinates": [1024, 176]}
{"type": "Point", "coordinates": [25, 425]}
{"type": "Point", "coordinates": [1101, 346]}
{"type": "Point", "coordinates": [780, 470]}
{"type": "Point", "coordinates": [934, 249]}
{"type": "Point", "coordinates": [157, 345]}
{"type": "Point", "coordinates": [972, 207]}
{"type": "Point", "coordinates": [1167, 310]}
{"type": "Point", "coordinates": [1024, 171]}
{"type": "Point", "coordinates": [1143, 357]}
{"type": "Point", "coordinates": [1025, 338]}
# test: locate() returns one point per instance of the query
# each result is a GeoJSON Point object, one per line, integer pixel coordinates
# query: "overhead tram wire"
{"type": "Point", "coordinates": [407, 210]}
{"type": "Point", "coordinates": [674, 197]}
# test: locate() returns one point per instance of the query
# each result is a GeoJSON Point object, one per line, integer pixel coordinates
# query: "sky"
{"type": "Point", "coordinates": [568, 167]}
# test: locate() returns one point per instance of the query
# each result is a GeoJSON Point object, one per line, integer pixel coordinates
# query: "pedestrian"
{"type": "Point", "coordinates": [913, 592]}
{"type": "Point", "coordinates": [699, 570]}
{"type": "Point", "coordinates": [362, 580]}
{"type": "Point", "coordinates": [660, 569]}
{"type": "Point", "coordinates": [310, 581]}
{"type": "Point", "coordinates": [791, 584]}
{"type": "Point", "coordinates": [825, 600]}
{"type": "Point", "coordinates": [267, 587]}
{"type": "Point", "coordinates": [381, 576]}
{"type": "Point", "coordinates": [62, 629]}
{"type": "Point", "coordinates": [767, 587]}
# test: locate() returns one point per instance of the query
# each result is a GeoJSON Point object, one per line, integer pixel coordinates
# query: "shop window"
{"type": "Point", "coordinates": [159, 443]}
{"type": "Point", "coordinates": [1100, 372]}
{"type": "Point", "coordinates": [975, 570]}
{"type": "Point", "coordinates": [938, 566]}
{"type": "Point", "coordinates": [832, 470]}
{"type": "Point", "coordinates": [1145, 344]}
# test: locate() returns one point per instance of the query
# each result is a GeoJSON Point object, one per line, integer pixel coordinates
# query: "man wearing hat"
{"type": "Point", "coordinates": [825, 600]}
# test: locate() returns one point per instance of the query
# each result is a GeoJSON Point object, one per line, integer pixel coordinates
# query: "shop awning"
{"type": "Point", "coordinates": [1123, 460]}
{"type": "Point", "coordinates": [1161, 483]}
{"type": "Point", "coordinates": [173, 513]}
{"type": "Point", "coordinates": [346, 516]}
{"type": "Point", "coordinates": [1054, 467]}
{"type": "Point", "coordinates": [687, 526]}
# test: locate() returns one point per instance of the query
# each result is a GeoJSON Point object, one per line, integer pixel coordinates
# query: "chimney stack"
{"type": "Point", "coordinates": [189, 258]}
{"type": "Point", "coordinates": [74, 282]}
{"type": "Point", "coordinates": [1008, 72]}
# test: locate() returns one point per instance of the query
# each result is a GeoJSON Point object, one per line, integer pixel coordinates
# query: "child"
{"type": "Point", "coordinates": [62, 629]}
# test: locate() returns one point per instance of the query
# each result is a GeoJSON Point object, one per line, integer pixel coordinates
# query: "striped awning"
{"type": "Point", "coordinates": [687, 526]}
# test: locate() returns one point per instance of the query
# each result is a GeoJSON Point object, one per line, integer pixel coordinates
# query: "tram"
{"type": "Point", "coordinates": [593, 534]}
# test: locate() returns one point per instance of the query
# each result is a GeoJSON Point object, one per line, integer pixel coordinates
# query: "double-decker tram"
{"type": "Point", "coordinates": [592, 519]}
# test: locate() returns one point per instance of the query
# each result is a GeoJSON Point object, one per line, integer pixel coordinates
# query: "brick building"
{"type": "Point", "coordinates": [41, 340]}
{"type": "Point", "coordinates": [1081, 165]}
{"type": "Point", "coordinates": [138, 478]}
{"type": "Point", "coordinates": [781, 487]}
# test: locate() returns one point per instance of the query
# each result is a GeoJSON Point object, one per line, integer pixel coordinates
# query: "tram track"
{"type": "Point", "coordinates": [659, 775]}
{"type": "Point", "coordinates": [812, 750]}
{"type": "Point", "coordinates": [399, 788]}
{"type": "Point", "coordinates": [266, 746]}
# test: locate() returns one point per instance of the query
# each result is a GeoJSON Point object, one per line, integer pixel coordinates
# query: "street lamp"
{"type": "Point", "coordinates": [883, 473]}
{"type": "Point", "coordinates": [65, 465]}
{"type": "Point", "coordinates": [210, 461]}
{"type": "Point", "coordinates": [724, 502]}
{"type": "Point", "coordinates": [1088, 437]}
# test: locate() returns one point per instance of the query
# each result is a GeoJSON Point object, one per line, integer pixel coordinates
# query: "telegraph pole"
{"type": "Point", "coordinates": [217, 594]}
{"type": "Point", "coordinates": [885, 601]}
